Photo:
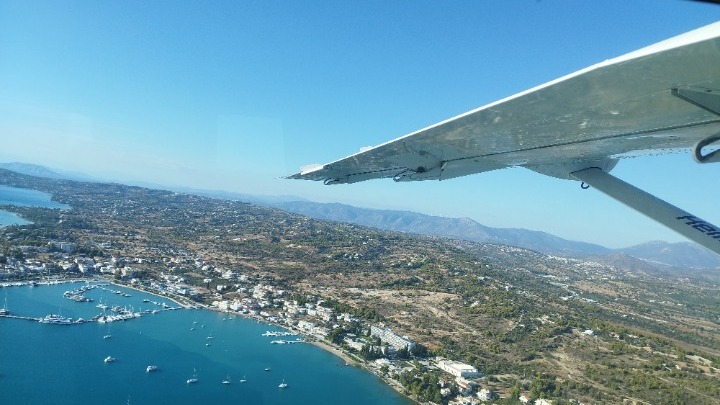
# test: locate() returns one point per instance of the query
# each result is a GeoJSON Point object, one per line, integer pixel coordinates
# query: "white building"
{"type": "Point", "coordinates": [354, 344]}
{"type": "Point", "coordinates": [485, 394]}
{"type": "Point", "coordinates": [386, 335]}
{"type": "Point", "coordinates": [457, 369]}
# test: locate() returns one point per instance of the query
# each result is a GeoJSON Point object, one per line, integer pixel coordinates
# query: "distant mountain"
{"type": "Point", "coordinates": [455, 228]}
{"type": "Point", "coordinates": [683, 254]}
{"type": "Point", "coordinates": [42, 171]}
{"type": "Point", "coordinates": [266, 200]}
{"type": "Point", "coordinates": [31, 170]}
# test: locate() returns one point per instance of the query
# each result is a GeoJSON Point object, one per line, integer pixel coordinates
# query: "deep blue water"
{"type": "Point", "coordinates": [23, 197]}
{"type": "Point", "coordinates": [63, 364]}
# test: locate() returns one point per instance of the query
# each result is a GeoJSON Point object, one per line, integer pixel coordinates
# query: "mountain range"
{"type": "Point", "coordinates": [659, 257]}
{"type": "Point", "coordinates": [658, 253]}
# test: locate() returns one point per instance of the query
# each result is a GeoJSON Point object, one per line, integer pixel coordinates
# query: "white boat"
{"type": "Point", "coordinates": [283, 384]}
{"type": "Point", "coordinates": [193, 379]}
{"type": "Point", "coordinates": [226, 380]}
{"type": "Point", "coordinates": [108, 336]}
{"type": "Point", "coordinates": [4, 310]}
{"type": "Point", "coordinates": [150, 369]}
{"type": "Point", "coordinates": [109, 359]}
{"type": "Point", "coordinates": [243, 379]}
{"type": "Point", "coordinates": [56, 319]}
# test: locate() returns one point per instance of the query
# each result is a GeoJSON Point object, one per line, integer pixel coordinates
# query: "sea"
{"type": "Point", "coordinates": [23, 197]}
{"type": "Point", "coordinates": [64, 364]}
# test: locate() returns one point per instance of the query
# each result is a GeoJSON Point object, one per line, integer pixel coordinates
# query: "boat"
{"type": "Point", "coordinates": [4, 310]}
{"type": "Point", "coordinates": [283, 384]}
{"type": "Point", "coordinates": [56, 319]}
{"type": "Point", "coordinates": [108, 336]}
{"type": "Point", "coordinates": [278, 333]}
{"type": "Point", "coordinates": [109, 359]}
{"type": "Point", "coordinates": [242, 380]}
{"type": "Point", "coordinates": [150, 369]}
{"type": "Point", "coordinates": [267, 368]}
{"type": "Point", "coordinates": [193, 379]}
{"type": "Point", "coordinates": [226, 380]}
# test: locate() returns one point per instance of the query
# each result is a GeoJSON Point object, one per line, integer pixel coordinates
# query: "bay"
{"type": "Point", "coordinates": [26, 198]}
{"type": "Point", "coordinates": [63, 364]}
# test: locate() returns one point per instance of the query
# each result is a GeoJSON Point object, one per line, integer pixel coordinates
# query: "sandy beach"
{"type": "Point", "coordinates": [334, 351]}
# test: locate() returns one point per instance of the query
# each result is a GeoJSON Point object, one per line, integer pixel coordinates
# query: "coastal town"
{"type": "Point", "coordinates": [394, 355]}
{"type": "Point", "coordinates": [444, 322]}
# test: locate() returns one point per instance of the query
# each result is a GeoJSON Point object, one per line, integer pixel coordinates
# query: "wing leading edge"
{"type": "Point", "coordinates": [662, 97]}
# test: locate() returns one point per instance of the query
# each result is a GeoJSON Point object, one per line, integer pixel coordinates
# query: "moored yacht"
{"type": "Point", "coordinates": [56, 319]}
{"type": "Point", "coordinates": [193, 379]}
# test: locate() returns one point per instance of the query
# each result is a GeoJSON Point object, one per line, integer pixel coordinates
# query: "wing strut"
{"type": "Point", "coordinates": [683, 222]}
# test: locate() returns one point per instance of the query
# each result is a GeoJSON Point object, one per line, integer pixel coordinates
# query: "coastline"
{"type": "Point", "coordinates": [328, 347]}
{"type": "Point", "coordinates": [334, 350]}
{"type": "Point", "coordinates": [167, 296]}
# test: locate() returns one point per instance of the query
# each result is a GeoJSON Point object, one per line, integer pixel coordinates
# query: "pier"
{"type": "Point", "coordinates": [27, 318]}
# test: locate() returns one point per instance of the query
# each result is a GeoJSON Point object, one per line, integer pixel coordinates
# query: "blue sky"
{"type": "Point", "coordinates": [232, 95]}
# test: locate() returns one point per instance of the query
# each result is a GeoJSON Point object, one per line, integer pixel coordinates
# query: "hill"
{"type": "Point", "coordinates": [671, 257]}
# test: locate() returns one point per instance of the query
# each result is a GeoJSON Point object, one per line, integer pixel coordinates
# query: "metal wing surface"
{"type": "Point", "coordinates": [665, 96]}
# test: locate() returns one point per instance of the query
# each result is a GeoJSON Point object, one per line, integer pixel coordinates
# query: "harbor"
{"type": "Point", "coordinates": [149, 359]}
{"type": "Point", "coordinates": [77, 295]}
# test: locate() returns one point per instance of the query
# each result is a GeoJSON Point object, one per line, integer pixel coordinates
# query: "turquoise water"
{"type": "Point", "coordinates": [23, 197]}
{"type": "Point", "coordinates": [63, 364]}
{"type": "Point", "coordinates": [8, 218]}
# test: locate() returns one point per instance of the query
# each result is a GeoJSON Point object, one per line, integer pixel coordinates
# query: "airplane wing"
{"type": "Point", "coordinates": [662, 97]}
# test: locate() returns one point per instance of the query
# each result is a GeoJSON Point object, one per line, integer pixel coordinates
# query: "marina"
{"type": "Point", "coordinates": [119, 313]}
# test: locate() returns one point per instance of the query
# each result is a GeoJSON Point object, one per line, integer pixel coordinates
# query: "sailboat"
{"type": "Point", "coordinates": [4, 310]}
{"type": "Point", "coordinates": [193, 379]}
{"type": "Point", "coordinates": [226, 380]}
{"type": "Point", "coordinates": [283, 384]}
{"type": "Point", "coordinates": [243, 379]}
